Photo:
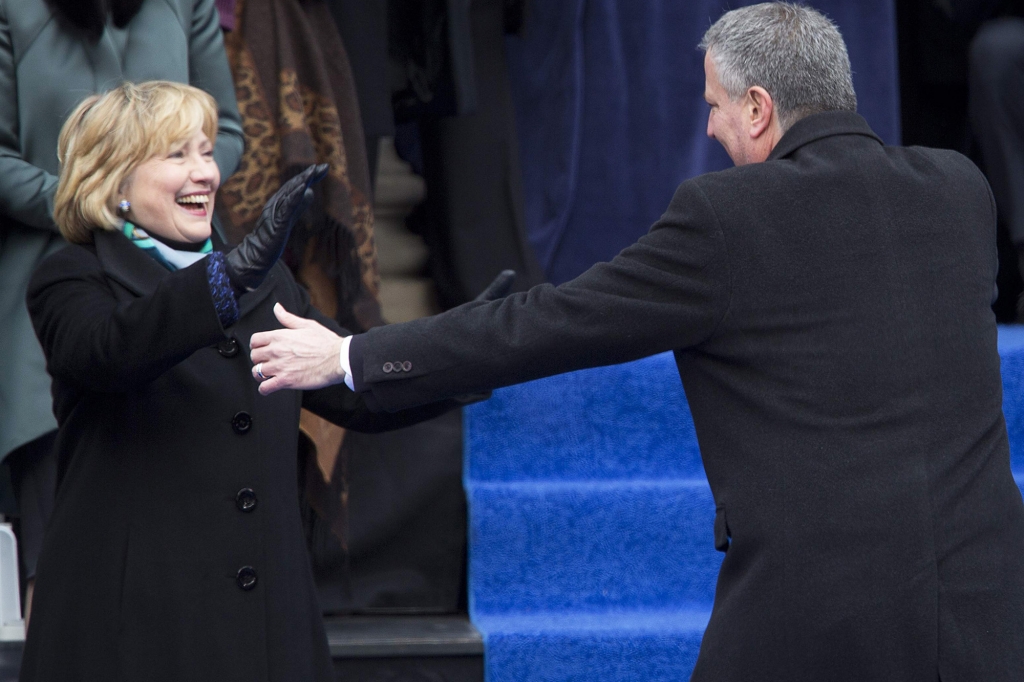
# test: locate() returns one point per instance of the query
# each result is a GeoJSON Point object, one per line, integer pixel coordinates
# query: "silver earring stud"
{"type": "Point", "coordinates": [124, 206]}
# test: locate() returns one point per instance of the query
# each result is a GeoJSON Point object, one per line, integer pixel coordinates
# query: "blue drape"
{"type": "Point", "coordinates": [611, 117]}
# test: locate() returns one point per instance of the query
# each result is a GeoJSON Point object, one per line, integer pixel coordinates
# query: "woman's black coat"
{"type": "Point", "coordinates": [175, 551]}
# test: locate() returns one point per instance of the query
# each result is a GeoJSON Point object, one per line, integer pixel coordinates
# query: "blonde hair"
{"type": "Point", "coordinates": [107, 136]}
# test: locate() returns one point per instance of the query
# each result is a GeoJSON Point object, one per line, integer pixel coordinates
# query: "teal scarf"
{"type": "Point", "coordinates": [172, 259]}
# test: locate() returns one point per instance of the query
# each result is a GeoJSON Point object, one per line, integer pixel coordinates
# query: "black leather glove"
{"type": "Point", "coordinates": [499, 287]}
{"type": "Point", "coordinates": [248, 263]}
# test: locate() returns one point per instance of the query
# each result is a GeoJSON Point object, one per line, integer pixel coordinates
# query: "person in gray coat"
{"type": "Point", "coordinates": [52, 55]}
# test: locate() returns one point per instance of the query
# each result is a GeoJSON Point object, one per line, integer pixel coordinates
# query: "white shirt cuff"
{"type": "Point", "coordinates": [346, 366]}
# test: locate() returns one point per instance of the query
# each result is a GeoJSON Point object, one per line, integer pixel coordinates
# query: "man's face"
{"type": "Point", "coordinates": [727, 119]}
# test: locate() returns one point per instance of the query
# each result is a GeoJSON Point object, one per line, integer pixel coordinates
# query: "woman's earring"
{"type": "Point", "coordinates": [124, 206]}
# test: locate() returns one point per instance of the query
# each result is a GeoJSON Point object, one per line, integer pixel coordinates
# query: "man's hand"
{"type": "Point", "coordinates": [303, 355]}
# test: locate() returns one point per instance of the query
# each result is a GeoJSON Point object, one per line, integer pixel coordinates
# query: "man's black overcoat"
{"type": "Point", "coordinates": [830, 314]}
{"type": "Point", "coordinates": [175, 476]}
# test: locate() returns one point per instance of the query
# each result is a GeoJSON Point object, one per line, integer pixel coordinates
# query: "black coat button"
{"type": "Point", "coordinates": [228, 347]}
{"type": "Point", "coordinates": [388, 367]}
{"type": "Point", "coordinates": [245, 500]}
{"type": "Point", "coordinates": [246, 578]}
{"type": "Point", "coordinates": [241, 422]}
{"type": "Point", "coordinates": [406, 366]}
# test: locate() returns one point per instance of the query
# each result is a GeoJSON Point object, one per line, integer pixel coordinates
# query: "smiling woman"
{"type": "Point", "coordinates": [175, 550]}
{"type": "Point", "coordinates": [173, 193]}
{"type": "Point", "coordinates": [159, 170]}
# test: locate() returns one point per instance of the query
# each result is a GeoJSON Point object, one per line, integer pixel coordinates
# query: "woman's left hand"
{"type": "Point", "coordinates": [248, 263]}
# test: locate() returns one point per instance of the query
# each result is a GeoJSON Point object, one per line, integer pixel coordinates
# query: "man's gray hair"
{"type": "Point", "coordinates": [794, 52]}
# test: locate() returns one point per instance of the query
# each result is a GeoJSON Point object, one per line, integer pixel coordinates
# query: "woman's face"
{"type": "Point", "coordinates": [171, 195]}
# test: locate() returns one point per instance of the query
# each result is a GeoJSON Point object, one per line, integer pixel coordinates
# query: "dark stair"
{"type": "Point", "coordinates": [375, 649]}
{"type": "Point", "coordinates": [406, 649]}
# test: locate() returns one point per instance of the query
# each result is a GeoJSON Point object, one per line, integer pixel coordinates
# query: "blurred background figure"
{"type": "Point", "coordinates": [962, 88]}
{"type": "Point", "coordinates": [456, 125]}
{"type": "Point", "coordinates": [53, 54]}
{"type": "Point", "coordinates": [996, 115]}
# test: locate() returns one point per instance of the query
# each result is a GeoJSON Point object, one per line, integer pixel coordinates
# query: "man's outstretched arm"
{"type": "Point", "coordinates": [668, 291]}
{"type": "Point", "coordinates": [305, 355]}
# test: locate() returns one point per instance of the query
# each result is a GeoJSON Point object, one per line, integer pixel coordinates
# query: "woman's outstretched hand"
{"type": "Point", "coordinates": [248, 263]}
{"type": "Point", "coordinates": [303, 355]}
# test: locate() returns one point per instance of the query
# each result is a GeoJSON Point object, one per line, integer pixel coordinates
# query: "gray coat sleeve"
{"type": "Point", "coordinates": [208, 69]}
{"type": "Point", "coordinates": [26, 191]}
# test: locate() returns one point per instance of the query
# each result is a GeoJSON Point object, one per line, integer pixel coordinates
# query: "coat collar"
{"type": "Point", "coordinates": [818, 126]}
{"type": "Point", "coordinates": [126, 264]}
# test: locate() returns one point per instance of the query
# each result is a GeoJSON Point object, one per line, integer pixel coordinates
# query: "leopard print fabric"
{"type": "Point", "coordinates": [307, 129]}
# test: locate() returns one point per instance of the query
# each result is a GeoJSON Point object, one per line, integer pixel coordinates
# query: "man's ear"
{"type": "Point", "coordinates": [761, 111]}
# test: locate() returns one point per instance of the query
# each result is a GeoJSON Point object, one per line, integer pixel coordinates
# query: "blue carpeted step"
{"type": "Point", "coordinates": [595, 545]}
{"type": "Point", "coordinates": [1011, 356]}
{"type": "Point", "coordinates": [591, 553]}
{"type": "Point", "coordinates": [625, 421]}
{"type": "Point", "coordinates": [659, 646]}
{"type": "Point", "coordinates": [632, 421]}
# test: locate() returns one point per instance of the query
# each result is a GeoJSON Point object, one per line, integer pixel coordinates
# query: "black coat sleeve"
{"type": "Point", "coordinates": [96, 342]}
{"type": "Point", "coordinates": [669, 290]}
{"type": "Point", "coordinates": [339, 405]}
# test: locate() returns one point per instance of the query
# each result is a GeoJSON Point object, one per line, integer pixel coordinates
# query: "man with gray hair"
{"type": "Point", "coordinates": [828, 304]}
{"type": "Point", "coordinates": [780, 55]}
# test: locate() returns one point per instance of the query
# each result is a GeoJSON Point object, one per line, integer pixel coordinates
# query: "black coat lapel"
{"type": "Point", "coordinates": [252, 299]}
{"type": "Point", "coordinates": [126, 263]}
